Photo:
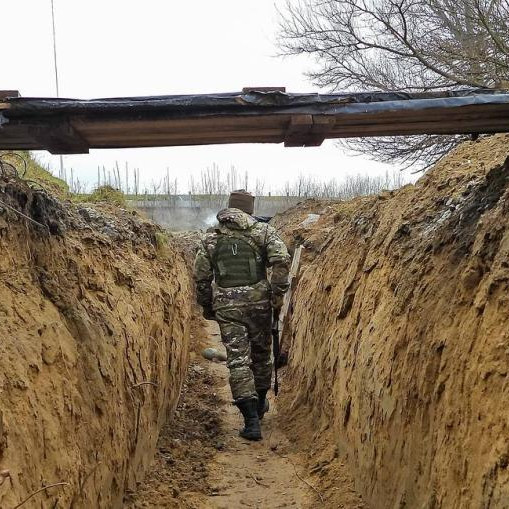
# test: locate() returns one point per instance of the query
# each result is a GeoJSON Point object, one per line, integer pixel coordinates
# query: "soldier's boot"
{"type": "Point", "coordinates": [249, 410]}
{"type": "Point", "coordinates": [263, 403]}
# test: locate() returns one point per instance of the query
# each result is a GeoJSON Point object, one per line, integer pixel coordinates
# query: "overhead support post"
{"type": "Point", "coordinates": [308, 130]}
{"type": "Point", "coordinates": [60, 138]}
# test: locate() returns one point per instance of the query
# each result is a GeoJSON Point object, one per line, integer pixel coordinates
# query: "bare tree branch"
{"type": "Point", "coordinates": [400, 45]}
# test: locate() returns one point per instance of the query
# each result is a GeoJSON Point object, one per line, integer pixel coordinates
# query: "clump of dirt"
{"type": "Point", "coordinates": [94, 322]}
{"type": "Point", "coordinates": [298, 224]}
{"type": "Point", "coordinates": [399, 335]}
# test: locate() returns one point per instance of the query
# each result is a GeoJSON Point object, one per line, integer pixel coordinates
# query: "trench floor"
{"type": "Point", "coordinates": [201, 462]}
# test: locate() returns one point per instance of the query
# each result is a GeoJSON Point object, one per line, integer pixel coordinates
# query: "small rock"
{"type": "Point", "coordinates": [212, 354]}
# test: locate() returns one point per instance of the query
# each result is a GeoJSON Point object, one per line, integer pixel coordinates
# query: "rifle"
{"type": "Point", "coordinates": [275, 346]}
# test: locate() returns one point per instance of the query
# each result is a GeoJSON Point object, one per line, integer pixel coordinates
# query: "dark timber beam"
{"type": "Point", "coordinates": [308, 130]}
{"type": "Point", "coordinates": [5, 94]}
{"type": "Point", "coordinates": [60, 138]}
{"type": "Point", "coordinates": [255, 115]}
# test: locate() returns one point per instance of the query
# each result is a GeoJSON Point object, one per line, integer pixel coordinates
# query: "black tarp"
{"type": "Point", "coordinates": [255, 103]}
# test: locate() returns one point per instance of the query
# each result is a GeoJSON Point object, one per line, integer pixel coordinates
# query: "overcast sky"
{"type": "Point", "coordinates": [157, 47]}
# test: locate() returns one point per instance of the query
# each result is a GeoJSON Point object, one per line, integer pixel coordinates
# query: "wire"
{"type": "Point", "coordinates": [62, 173]}
{"type": "Point", "coordinates": [3, 204]}
{"type": "Point", "coordinates": [55, 46]}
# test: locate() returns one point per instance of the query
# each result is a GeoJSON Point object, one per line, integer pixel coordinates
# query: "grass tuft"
{"type": "Point", "coordinates": [104, 194]}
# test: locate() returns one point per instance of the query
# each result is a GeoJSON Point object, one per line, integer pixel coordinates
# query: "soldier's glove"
{"type": "Point", "coordinates": [208, 313]}
{"type": "Point", "coordinates": [277, 301]}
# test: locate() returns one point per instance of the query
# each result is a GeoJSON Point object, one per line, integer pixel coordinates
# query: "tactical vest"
{"type": "Point", "coordinates": [237, 261]}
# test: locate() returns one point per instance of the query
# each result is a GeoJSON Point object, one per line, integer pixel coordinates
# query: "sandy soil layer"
{"type": "Point", "coordinates": [94, 328]}
{"type": "Point", "coordinates": [400, 335]}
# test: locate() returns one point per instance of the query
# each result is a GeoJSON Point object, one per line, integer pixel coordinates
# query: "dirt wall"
{"type": "Point", "coordinates": [94, 330]}
{"type": "Point", "coordinates": [400, 331]}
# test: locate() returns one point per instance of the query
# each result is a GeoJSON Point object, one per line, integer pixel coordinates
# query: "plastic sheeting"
{"type": "Point", "coordinates": [256, 103]}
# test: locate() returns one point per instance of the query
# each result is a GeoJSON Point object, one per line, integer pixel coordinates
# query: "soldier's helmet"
{"type": "Point", "coordinates": [243, 200]}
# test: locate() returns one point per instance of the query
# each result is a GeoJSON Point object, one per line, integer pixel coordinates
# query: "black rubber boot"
{"type": "Point", "coordinates": [249, 410]}
{"type": "Point", "coordinates": [263, 403]}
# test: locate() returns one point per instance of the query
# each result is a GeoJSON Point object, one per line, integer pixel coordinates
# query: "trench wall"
{"type": "Point", "coordinates": [94, 332]}
{"type": "Point", "coordinates": [400, 335]}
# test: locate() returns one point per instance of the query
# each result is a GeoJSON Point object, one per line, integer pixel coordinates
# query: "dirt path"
{"type": "Point", "coordinates": [247, 474]}
{"type": "Point", "coordinates": [202, 463]}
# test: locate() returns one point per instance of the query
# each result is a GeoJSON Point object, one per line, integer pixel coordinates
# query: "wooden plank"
{"type": "Point", "coordinates": [195, 125]}
{"type": "Point", "coordinates": [285, 314]}
{"type": "Point", "coordinates": [247, 90]}
{"type": "Point", "coordinates": [451, 117]}
{"type": "Point", "coordinates": [315, 135]}
{"type": "Point", "coordinates": [60, 138]}
{"type": "Point", "coordinates": [136, 131]}
{"type": "Point", "coordinates": [175, 143]}
{"type": "Point", "coordinates": [298, 129]}
{"type": "Point", "coordinates": [4, 94]}
{"type": "Point", "coordinates": [162, 136]}
{"type": "Point", "coordinates": [84, 124]}
{"type": "Point", "coordinates": [472, 126]}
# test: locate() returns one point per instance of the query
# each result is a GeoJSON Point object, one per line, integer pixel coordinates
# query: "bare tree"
{"type": "Point", "coordinates": [401, 45]}
{"type": "Point", "coordinates": [156, 186]}
{"type": "Point", "coordinates": [259, 187]}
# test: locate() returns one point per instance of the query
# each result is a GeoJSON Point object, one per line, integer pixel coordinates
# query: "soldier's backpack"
{"type": "Point", "coordinates": [237, 260]}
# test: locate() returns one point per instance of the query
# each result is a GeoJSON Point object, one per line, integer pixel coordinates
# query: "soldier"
{"type": "Point", "coordinates": [232, 286]}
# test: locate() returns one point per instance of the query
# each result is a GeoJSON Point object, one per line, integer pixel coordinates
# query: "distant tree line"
{"type": "Point", "coordinates": [213, 182]}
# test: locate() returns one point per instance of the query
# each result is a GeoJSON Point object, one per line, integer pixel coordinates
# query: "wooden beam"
{"type": "Point", "coordinates": [74, 128]}
{"type": "Point", "coordinates": [247, 90]}
{"type": "Point", "coordinates": [188, 142]}
{"type": "Point", "coordinates": [312, 134]}
{"type": "Point", "coordinates": [5, 94]}
{"type": "Point", "coordinates": [286, 311]}
{"type": "Point", "coordinates": [298, 128]}
{"type": "Point", "coordinates": [60, 138]}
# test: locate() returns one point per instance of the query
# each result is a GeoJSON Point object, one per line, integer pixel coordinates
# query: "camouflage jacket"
{"type": "Point", "coordinates": [271, 246]}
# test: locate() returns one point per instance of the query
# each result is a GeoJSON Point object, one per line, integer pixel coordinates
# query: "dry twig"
{"type": "Point", "coordinates": [44, 488]}
{"type": "Point", "coordinates": [307, 483]}
{"type": "Point", "coordinates": [144, 383]}
{"type": "Point", "coordinates": [258, 482]}
{"type": "Point", "coordinates": [320, 496]}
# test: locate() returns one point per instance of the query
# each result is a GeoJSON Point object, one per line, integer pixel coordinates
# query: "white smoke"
{"type": "Point", "coordinates": [210, 220]}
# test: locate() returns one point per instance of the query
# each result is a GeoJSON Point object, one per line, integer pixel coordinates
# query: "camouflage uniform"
{"type": "Point", "coordinates": [244, 312]}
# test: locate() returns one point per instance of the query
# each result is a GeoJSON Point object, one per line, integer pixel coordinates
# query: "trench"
{"type": "Point", "coordinates": [397, 341]}
{"type": "Point", "coordinates": [202, 462]}
{"type": "Point", "coordinates": [393, 396]}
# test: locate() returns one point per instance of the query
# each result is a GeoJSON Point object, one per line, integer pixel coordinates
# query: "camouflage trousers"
{"type": "Point", "coordinates": [246, 334]}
